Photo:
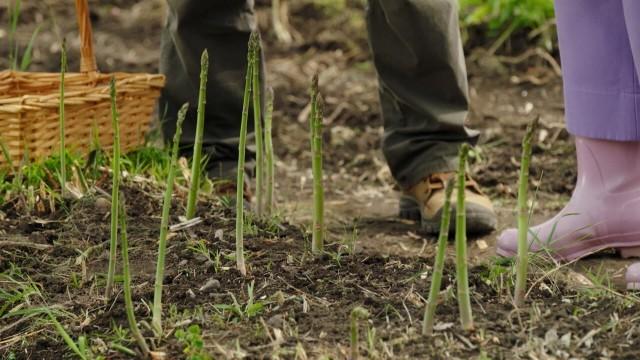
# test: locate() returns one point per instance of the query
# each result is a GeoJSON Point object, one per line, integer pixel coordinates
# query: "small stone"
{"type": "Point", "coordinates": [191, 294]}
{"type": "Point", "coordinates": [201, 258]}
{"type": "Point", "coordinates": [103, 205]}
{"type": "Point", "coordinates": [183, 263]}
{"type": "Point", "coordinates": [211, 284]}
{"type": "Point", "coordinates": [276, 321]}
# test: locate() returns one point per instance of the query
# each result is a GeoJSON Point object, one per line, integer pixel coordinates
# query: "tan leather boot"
{"type": "Point", "coordinates": [424, 202]}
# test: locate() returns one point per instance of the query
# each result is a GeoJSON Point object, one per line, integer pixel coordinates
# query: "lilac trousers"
{"type": "Point", "coordinates": [600, 53]}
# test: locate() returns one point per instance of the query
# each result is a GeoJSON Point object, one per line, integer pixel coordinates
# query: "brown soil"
{"type": "Point", "coordinates": [307, 300]}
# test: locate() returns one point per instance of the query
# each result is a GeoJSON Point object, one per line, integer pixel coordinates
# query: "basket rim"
{"type": "Point", "coordinates": [94, 88]}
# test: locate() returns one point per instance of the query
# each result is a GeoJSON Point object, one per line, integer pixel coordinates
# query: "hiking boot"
{"type": "Point", "coordinates": [604, 210]}
{"type": "Point", "coordinates": [424, 203]}
{"type": "Point", "coordinates": [633, 277]}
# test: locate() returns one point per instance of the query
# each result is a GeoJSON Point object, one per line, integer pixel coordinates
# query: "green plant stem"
{"type": "Point", "coordinates": [436, 278]}
{"type": "Point", "coordinates": [464, 301]}
{"type": "Point", "coordinates": [268, 144]}
{"type": "Point", "coordinates": [317, 240]}
{"type": "Point", "coordinates": [115, 190]}
{"type": "Point", "coordinates": [523, 217]}
{"type": "Point", "coordinates": [126, 274]}
{"type": "Point", "coordinates": [197, 146]}
{"type": "Point", "coordinates": [358, 313]}
{"type": "Point", "coordinates": [241, 160]}
{"type": "Point", "coordinates": [257, 118]}
{"type": "Point", "coordinates": [63, 157]}
{"type": "Point", "coordinates": [156, 321]}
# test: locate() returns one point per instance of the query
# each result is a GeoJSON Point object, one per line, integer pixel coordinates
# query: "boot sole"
{"type": "Point", "coordinates": [479, 220]}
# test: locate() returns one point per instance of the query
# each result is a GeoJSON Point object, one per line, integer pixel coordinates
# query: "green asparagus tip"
{"type": "Point", "coordinates": [464, 152]}
{"type": "Point", "coordinates": [314, 84]}
{"type": "Point", "coordinates": [204, 60]}
{"type": "Point", "coordinates": [182, 114]}
{"type": "Point", "coordinates": [359, 313]}
{"type": "Point", "coordinates": [112, 87]}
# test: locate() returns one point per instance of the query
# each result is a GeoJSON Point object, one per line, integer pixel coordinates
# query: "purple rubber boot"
{"type": "Point", "coordinates": [604, 210]}
{"type": "Point", "coordinates": [633, 277]}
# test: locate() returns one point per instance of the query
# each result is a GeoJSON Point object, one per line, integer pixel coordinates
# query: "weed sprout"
{"type": "Point", "coordinates": [462, 276]}
{"type": "Point", "coordinates": [115, 190]}
{"type": "Point", "coordinates": [164, 224]}
{"type": "Point", "coordinates": [436, 278]}
{"type": "Point", "coordinates": [197, 146]}
{"type": "Point", "coordinates": [523, 217]}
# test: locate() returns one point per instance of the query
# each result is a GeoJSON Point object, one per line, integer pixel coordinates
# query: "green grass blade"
{"type": "Point", "coordinates": [66, 337]}
{"type": "Point", "coordinates": [26, 57]}
{"type": "Point", "coordinates": [14, 15]}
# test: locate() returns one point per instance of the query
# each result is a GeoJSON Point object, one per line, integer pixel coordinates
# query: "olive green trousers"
{"type": "Point", "coordinates": [416, 50]}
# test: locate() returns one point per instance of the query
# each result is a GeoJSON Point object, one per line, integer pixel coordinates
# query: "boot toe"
{"type": "Point", "coordinates": [507, 244]}
{"type": "Point", "coordinates": [633, 277]}
{"type": "Point", "coordinates": [480, 219]}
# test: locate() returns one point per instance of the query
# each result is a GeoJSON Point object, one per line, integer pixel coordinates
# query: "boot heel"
{"type": "Point", "coordinates": [629, 252]}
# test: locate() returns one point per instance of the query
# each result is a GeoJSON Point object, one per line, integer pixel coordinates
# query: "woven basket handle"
{"type": "Point", "coordinates": [87, 57]}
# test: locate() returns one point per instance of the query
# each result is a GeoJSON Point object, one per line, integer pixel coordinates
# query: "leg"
{"type": "Point", "coordinates": [600, 81]}
{"type": "Point", "coordinates": [601, 97]}
{"type": "Point", "coordinates": [223, 27]}
{"type": "Point", "coordinates": [418, 54]}
{"type": "Point", "coordinates": [632, 21]}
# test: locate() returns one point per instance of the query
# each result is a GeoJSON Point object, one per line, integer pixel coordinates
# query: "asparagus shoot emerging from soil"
{"type": "Point", "coordinates": [63, 157]}
{"type": "Point", "coordinates": [257, 118]}
{"type": "Point", "coordinates": [462, 276]}
{"type": "Point", "coordinates": [436, 278]}
{"type": "Point", "coordinates": [164, 224]}
{"type": "Point", "coordinates": [126, 275]}
{"type": "Point", "coordinates": [268, 145]}
{"type": "Point", "coordinates": [115, 190]}
{"type": "Point", "coordinates": [194, 187]}
{"type": "Point", "coordinates": [315, 125]}
{"type": "Point", "coordinates": [241, 158]}
{"type": "Point", "coordinates": [523, 217]}
{"type": "Point", "coordinates": [358, 313]}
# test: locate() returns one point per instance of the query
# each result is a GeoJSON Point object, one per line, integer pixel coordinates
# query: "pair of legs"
{"type": "Point", "coordinates": [600, 53]}
{"type": "Point", "coordinates": [417, 52]}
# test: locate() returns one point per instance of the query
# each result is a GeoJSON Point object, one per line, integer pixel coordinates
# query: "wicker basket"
{"type": "Point", "coordinates": [29, 105]}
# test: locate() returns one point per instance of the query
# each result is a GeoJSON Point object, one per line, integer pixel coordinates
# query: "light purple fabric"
{"type": "Point", "coordinates": [600, 53]}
